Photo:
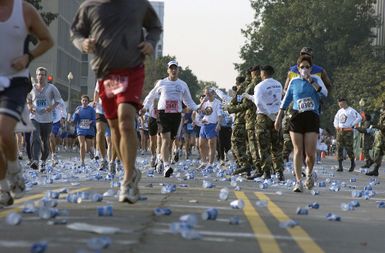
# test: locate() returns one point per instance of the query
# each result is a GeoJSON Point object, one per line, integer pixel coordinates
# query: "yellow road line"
{"type": "Point", "coordinates": [5, 212]}
{"type": "Point", "coordinates": [268, 244]}
{"type": "Point", "coordinates": [296, 232]}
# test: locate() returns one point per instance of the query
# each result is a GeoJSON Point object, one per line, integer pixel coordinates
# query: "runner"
{"type": "Point", "coordinates": [59, 114]}
{"type": "Point", "coordinates": [15, 85]}
{"type": "Point", "coordinates": [118, 64]}
{"type": "Point", "coordinates": [171, 92]}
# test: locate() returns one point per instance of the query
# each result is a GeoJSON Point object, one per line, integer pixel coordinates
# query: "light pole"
{"type": "Point", "coordinates": [70, 77]}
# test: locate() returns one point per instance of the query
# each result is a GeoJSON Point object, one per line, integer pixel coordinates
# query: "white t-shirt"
{"type": "Point", "coordinates": [267, 96]}
{"type": "Point", "coordinates": [171, 94]}
{"type": "Point", "coordinates": [59, 112]}
{"type": "Point", "coordinates": [212, 111]}
{"type": "Point", "coordinates": [346, 118]}
{"type": "Point", "coordinates": [41, 100]}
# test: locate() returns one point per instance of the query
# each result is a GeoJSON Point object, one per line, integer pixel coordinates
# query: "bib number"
{"type": "Point", "coordinates": [85, 124]}
{"type": "Point", "coordinates": [115, 84]}
{"type": "Point", "coordinates": [171, 106]}
{"type": "Point", "coordinates": [190, 127]}
{"type": "Point", "coordinates": [305, 104]}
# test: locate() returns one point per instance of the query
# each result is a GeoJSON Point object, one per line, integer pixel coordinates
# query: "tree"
{"type": "Point", "coordinates": [338, 31]}
{"type": "Point", "coordinates": [48, 17]}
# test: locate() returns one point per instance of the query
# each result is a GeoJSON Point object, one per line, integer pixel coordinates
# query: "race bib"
{"type": "Point", "coordinates": [305, 104]}
{"type": "Point", "coordinates": [85, 124]}
{"type": "Point", "coordinates": [115, 84]}
{"type": "Point", "coordinates": [171, 106]}
{"type": "Point", "coordinates": [190, 127]}
{"type": "Point", "coordinates": [239, 98]}
{"type": "Point", "coordinates": [41, 103]}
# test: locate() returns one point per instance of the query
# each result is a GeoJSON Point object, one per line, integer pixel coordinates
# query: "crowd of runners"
{"type": "Point", "coordinates": [260, 124]}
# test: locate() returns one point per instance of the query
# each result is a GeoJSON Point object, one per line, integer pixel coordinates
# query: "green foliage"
{"type": "Point", "coordinates": [339, 33]}
{"type": "Point", "coordinates": [48, 17]}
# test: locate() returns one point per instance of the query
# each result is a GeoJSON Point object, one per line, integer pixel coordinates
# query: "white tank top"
{"type": "Point", "coordinates": [13, 35]}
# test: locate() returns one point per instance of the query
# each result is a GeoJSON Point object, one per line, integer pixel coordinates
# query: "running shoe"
{"type": "Point", "coordinates": [298, 187]}
{"type": "Point", "coordinates": [112, 167]}
{"type": "Point", "coordinates": [309, 183]}
{"type": "Point", "coordinates": [16, 184]}
{"type": "Point", "coordinates": [130, 192]}
{"type": "Point", "coordinates": [168, 171]}
{"type": "Point", "coordinates": [5, 198]}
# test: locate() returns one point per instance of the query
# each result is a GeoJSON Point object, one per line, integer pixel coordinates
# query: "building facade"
{"type": "Point", "coordinates": [159, 9]}
{"type": "Point", "coordinates": [379, 32]}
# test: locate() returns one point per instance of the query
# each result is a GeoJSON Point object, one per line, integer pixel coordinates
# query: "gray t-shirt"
{"type": "Point", "coordinates": [117, 26]}
{"type": "Point", "coordinates": [41, 100]}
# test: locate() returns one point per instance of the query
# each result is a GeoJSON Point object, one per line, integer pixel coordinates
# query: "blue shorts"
{"type": "Point", "coordinates": [55, 128]}
{"type": "Point", "coordinates": [208, 131]}
{"type": "Point", "coordinates": [188, 128]}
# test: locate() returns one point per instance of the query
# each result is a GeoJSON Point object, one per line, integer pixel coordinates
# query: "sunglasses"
{"type": "Point", "coordinates": [302, 67]}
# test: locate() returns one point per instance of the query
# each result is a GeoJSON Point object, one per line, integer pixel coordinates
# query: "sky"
{"type": "Point", "coordinates": [205, 35]}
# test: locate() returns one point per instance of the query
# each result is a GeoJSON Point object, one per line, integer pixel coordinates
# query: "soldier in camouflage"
{"type": "Point", "coordinates": [379, 143]}
{"type": "Point", "coordinates": [366, 140]}
{"type": "Point", "coordinates": [287, 144]}
{"type": "Point", "coordinates": [250, 118]}
{"type": "Point", "coordinates": [239, 135]}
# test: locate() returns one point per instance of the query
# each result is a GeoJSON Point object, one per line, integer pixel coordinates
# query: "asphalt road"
{"type": "Point", "coordinates": [139, 230]}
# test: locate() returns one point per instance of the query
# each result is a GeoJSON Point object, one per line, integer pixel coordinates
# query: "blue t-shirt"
{"type": "Point", "coordinates": [85, 121]}
{"type": "Point", "coordinates": [303, 95]}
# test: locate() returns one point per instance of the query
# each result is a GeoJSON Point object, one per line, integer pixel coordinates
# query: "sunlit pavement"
{"type": "Point", "coordinates": [259, 230]}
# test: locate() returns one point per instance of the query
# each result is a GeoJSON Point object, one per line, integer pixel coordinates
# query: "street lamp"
{"type": "Point", "coordinates": [70, 77]}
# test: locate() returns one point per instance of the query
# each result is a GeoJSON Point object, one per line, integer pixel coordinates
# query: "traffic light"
{"type": "Point", "coordinates": [50, 78]}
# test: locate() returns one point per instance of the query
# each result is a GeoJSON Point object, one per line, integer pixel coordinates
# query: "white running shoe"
{"type": "Point", "coordinates": [298, 187]}
{"type": "Point", "coordinates": [167, 171]}
{"type": "Point", "coordinates": [130, 192]}
{"type": "Point", "coordinates": [5, 199]}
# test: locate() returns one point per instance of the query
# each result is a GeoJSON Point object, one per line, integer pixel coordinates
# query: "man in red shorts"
{"type": "Point", "coordinates": [114, 31]}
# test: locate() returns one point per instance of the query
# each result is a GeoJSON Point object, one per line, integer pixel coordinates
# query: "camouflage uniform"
{"type": "Point", "coordinates": [250, 118]}
{"type": "Point", "coordinates": [239, 135]}
{"type": "Point", "coordinates": [287, 144]}
{"type": "Point", "coordinates": [379, 145]}
{"type": "Point", "coordinates": [344, 140]}
{"type": "Point", "coordinates": [269, 145]}
{"type": "Point", "coordinates": [367, 142]}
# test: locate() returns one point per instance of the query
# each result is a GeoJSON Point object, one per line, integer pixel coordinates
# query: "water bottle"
{"type": "Point", "coordinates": [263, 186]}
{"type": "Point", "coordinates": [104, 210]}
{"type": "Point", "coordinates": [99, 243]}
{"type": "Point", "coordinates": [381, 204]}
{"type": "Point", "coordinates": [96, 197]}
{"type": "Point", "coordinates": [237, 204]}
{"type": "Point", "coordinates": [346, 207]}
{"type": "Point", "coordinates": [49, 202]}
{"type": "Point", "coordinates": [234, 220]}
{"type": "Point", "coordinates": [46, 213]}
{"type": "Point", "coordinates": [189, 219]}
{"type": "Point", "coordinates": [288, 224]}
{"type": "Point", "coordinates": [162, 211]}
{"type": "Point", "coordinates": [168, 188]}
{"type": "Point", "coordinates": [356, 194]}
{"type": "Point", "coordinates": [177, 227]}
{"type": "Point", "coordinates": [210, 214]}
{"type": "Point", "coordinates": [314, 192]}
{"type": "Point", "coordinates": [332, 217]}
{"type": "Point", "coordinates": [52, 195]}
{"type": "Point", "coordinates": [355, 203]}
{"type": "Point", "coordinates": [29, 207]}
{"type": "Point", "coordinates": [314, 205]}
{"type": "Point", "coordinates": [183, 185]}
{"type": "Point", "coordinates": [39, 247]}
{"type": "Point", "coordinates": [191, 234]}
{"type": "Point", "coordinates": [261, 203]}
{"type": "Point", "coordinates": [109, 193]}
{"type": "Point", "coordinates": [13, 219]}
{"type": "Point", "coordinates": [72, 198]}
{"type": "Point", "coordinates": [353, 180]}
{"type": "Point", "coordinates": [224, 194]}
{"type": "Point", "coordinates": [302, 211]}
{"type": "Point", "coordinates": [368, 188]}
{"type": "Point", "coordinates": [322, 184]}
{"type": "Point", "coordinates": [207, 184]}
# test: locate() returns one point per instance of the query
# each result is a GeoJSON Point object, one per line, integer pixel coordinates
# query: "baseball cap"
{"type": "Point", "coordinates": [306, 50]}
{"type": "Point", "coordinates": [173, 62]}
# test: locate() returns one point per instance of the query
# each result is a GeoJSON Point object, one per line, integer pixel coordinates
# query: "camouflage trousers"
{"type": "Point", "coordinates": [269, 144]}
{"type": "Point", "coordinates": [253, 149]}
{"type": "Point", "coordinates": [287, 146]}
{"type": "Point", "coordinates": [367, 146]}
{"type": "Point", "coordinates": [344, 140]}
{"type": "Point", "coordinates": [239, 145]}
{"type": "Point", "coordinates": [379, 148]}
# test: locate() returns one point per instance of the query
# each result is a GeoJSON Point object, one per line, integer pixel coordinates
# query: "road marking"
{"type": "Point", "coordinates": [6, 211]}
{"type": "Point", "coordinates": [266, 240]}
{"type": "Point", "coordinates": [296, 232]}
